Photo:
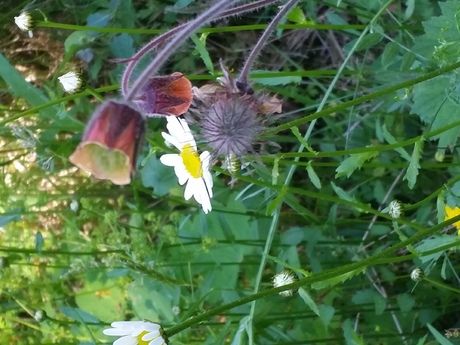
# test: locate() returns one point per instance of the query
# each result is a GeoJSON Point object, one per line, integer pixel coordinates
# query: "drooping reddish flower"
{"type": "Point", "coordinates": [170, 95]}
{"type": "Point", "coordinates": [110, 142]}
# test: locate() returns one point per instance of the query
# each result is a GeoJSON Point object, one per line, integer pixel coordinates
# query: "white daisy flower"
{"type": "Point", "coordinates": [71, 81]}
{"type": "Point", "coordinates": [136, 333]}
{"type": "Point", "coordinates": [283, 278]}
{"type": "Point", "coordinates": [188, 166]}
{"type": "Point", "coordinates": [395, 209]}
{"type": "Point", "coordinates": [25, 22]}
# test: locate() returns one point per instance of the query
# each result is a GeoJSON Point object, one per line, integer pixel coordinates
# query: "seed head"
{"type": "Point", "coordinates": [231, 121]}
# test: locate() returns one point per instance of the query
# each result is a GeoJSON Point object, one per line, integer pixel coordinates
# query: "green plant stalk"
{"type": "Point", "coordinates": [441, 285]}
{"type": "Point", "coordinates": [46, 24]}
{"type": "Point", "coordinates": [290, 173]}
{"type": "Point", "coordinates": [376, 259]}
{"type": "Point", "coordinates": [365, 98]}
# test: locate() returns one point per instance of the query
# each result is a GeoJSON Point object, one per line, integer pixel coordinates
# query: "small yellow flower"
{"type": "Point", "coordinates": [451, 213]}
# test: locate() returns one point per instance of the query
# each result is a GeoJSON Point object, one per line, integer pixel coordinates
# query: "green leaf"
{"type": "Point", "coordinates": [436, 103]}
{"type": "Point", "coordinates": [312, 176]}
{"type": "Point", "coordinates": [279, 198]}
{"type": "Point", "coordinates": [433, 243]}
{"type": "Point", "coordinates": [355, 161]}
{"type": "Point", "coordinates": [410, 6]}
{"type": "Point", "coordinates": [391, 140]}
{"type": "Point", "coordinates": [351, 338]}
{"type": "Point", "coordinates": [21, 88]}
{"type": "Point", "coordinates": [336, 280]}
{"type": "Point", "coordinates": [298, 135]}
{"type": "Point", "coordinates": [275, 171]}
{"type": "Point", "coordinates": [326, 313]}
{"type": "Point", "coordinates": [407, 61]}
{"type": "Point", "coordinates": [414, 166]}
{"type": "Point", "coordinates": [405, 302]}
{"type": "Point", "coordinates": [200, 48]}
{"type": "Point", "coordinates": [389, 53]}
{"type": "Point", "coordinates": [297, 16]}
{"type": "Point", "coordinates": [157, 176]}
{"type": "Point", "coordinates": [369, 41]}
{"type": "Point", "coordinates": [308, 300]}
{"type": "Point", "coordinates": [438, 336]}
{"type": "Point", "coordinates": [273, 81]}
{"type": "Point", "coordinates": [76, 41]}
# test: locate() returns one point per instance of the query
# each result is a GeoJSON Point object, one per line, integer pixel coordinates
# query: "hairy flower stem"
{"type": "Point", "coordinates": [162, 38]}
{"type": "Point", "coordinates": [205, 17]}
{"type": "Point", "coordinates": [242, 81]}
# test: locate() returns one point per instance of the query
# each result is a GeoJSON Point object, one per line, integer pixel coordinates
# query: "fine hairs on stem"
{"type": "Point", "coordinates": [242, 81]}
{"type": "Point", "coordinates": [162, 38]}
{"type": "Point", "coordinates": [205, 17]}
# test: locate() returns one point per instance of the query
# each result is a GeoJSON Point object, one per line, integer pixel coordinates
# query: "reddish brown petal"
{"type": "Point", "coordinates": [110, 143]}
{"type": "Point", "coordinates": [170, 95]}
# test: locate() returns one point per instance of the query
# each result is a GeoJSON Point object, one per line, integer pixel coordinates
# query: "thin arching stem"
{"type": "Point", "coordinates": [243, 78]}
{"type": "Point", "coordinates": [201, 20]}
{"type": "Point", "coordinates": [162, 38]}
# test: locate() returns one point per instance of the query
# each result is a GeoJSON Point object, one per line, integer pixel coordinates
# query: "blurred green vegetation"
{"type": "Point", "coordinates": [87, 253]}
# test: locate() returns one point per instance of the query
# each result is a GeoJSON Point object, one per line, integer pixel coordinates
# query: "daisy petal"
{"type": "Point", "coordinates": [158, 341]}
{"type": "Point", "coordinates": [170, 159]}
{"type": "Point", "coordinates": [128, 340]}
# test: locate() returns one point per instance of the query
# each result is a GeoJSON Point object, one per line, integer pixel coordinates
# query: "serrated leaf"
{"type": "Point", "coordinates": [308, 300]}
{"type": "Point", "coordinates": [312, 176]}
{"type": "Point", "coordinates": [434, 243]}
{"type": "Point", "coordinates": [355, 161]}
{"type": "Point", "coordinates": [300, 138]}
{"type": "Point", "coordinates": [390, 139]}
{"type": "Point", "coordinates": [434, 104]}
{"type": "Point", "coordinates": [414, 166]}
{"type": "Point", "coordinates": [389, 53]}
{"type": "Point", "coordinates": [158, 176]}
{"type": "Point", "coordinates": [336, 280]}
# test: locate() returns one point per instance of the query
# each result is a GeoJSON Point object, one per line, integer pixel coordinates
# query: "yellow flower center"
{"type": "Point", "coordinates": [140, 341]}
{"type": "Point", "coordinates": [191, 161]}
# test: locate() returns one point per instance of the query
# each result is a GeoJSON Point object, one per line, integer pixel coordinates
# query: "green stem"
{"type": "Point", "coordinates": [45, 24]}
{"type": "Point", "coordinates": [365, 98]}
{"type": "Point", "coordinates": [376, 259]}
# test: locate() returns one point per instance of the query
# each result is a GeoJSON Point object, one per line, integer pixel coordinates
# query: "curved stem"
{"type": "Point", "coordinates": [243, 78]}
{"type": "Point", "coordinates": [162, 38]}
{"type": "Point", "coordinates": [205, 17]}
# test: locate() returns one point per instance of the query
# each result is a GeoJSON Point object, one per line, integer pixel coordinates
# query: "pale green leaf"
{"type": "Point", "coordinates": [308, 300]}
{"type": "Point", "coordinates": [438, 336]}
{"type": "Point", "coordinates": [200, 48]}
{"type": "Point", "coordinates": [391, 140]}
{"type": "Point", "coordinates": [355, 161]}
{"type": "Point", "coordinates": [389, 53]}
{"type": "Point", "coordinates": [414, 166]}
{"type": "Point", "coordinates": [312, 176]}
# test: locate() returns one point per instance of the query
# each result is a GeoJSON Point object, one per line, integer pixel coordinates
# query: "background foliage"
{"type": "Point", "coordinates": [371, 88]}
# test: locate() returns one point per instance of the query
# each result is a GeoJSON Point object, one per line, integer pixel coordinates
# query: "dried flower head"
{"type": "Point", "coordinates": [232, 121]}
{"type": "Point", "coordinates": [395, 209]}
{"type": "Point", "coordinates": [416, 274]}
{"type": "Point", "coordinates": [25, 22]}
{"type": "Point", "coordinates": [283, 278]}
{"type": "Point", "coordinates": [71, 81]}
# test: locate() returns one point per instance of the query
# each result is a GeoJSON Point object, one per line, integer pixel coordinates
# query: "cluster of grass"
{"type": "Point", "coordinates": [371, 99]}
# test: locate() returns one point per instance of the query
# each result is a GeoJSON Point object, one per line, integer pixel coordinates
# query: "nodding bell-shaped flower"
{"type": "Point", "coordinates": [110, 142]}
{"type": "Point", "coordinates": [170, 95]}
